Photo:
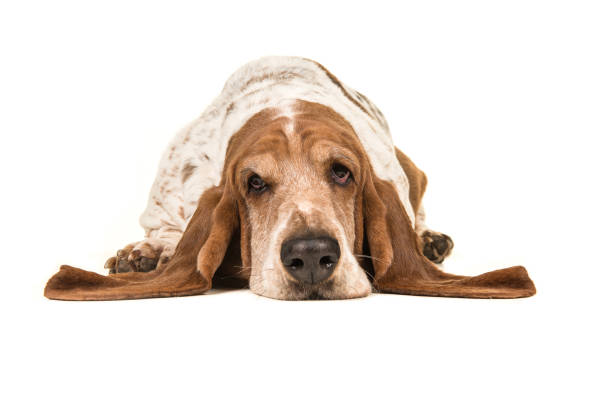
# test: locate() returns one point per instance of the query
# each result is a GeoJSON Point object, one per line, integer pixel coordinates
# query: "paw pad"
{"type": "Point", "coordinates": [436, 246]}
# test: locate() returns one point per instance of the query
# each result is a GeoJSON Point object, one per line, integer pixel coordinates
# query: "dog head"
{"type": "Point", "coordinates": [299, 192]}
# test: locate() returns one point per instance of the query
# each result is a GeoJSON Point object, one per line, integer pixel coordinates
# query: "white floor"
{"type": "Point", "coordinates": [507, 109]}
{"type": "Point", "coordinates": [229, 348]}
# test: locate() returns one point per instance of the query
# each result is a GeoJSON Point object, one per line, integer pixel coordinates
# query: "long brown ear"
{"type": "Point", "coordinates": [198, 255]}
{"type": "Point", "coordinates": [400, 267]}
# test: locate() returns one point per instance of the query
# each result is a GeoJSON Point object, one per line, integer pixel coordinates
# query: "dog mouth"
{"type": "Point", "coordinates": [316, 296]}
{"type": "Point", "coordinates": [308, 291]}
{"type": "Point", "coordinates": [309, 263]}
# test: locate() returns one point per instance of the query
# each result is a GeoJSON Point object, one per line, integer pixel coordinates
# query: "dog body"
{"type": "Point", "coordinates": [289, 182]}
{"type": "Point", "coordinates": [193, 162]}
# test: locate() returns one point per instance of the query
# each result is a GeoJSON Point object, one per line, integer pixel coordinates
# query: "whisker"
{"type": "Point", "coordinates": [368, 273]}
{"type": "Point", "coordinates": [368, 256]}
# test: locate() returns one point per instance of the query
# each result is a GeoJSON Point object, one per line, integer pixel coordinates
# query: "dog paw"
{"type": "Point", "coordinates": [436, 246]}
{"type": "Point", "coordinates": [143, 256]}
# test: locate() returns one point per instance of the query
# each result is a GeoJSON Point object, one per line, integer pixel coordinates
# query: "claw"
{"type": "Point", "coordinates": [137, 257]}
{"type": "Point", "coordinates": [135, 254]}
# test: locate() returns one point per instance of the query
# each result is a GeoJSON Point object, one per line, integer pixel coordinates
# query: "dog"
{"type": "Point", "coordinates": [289, 183]}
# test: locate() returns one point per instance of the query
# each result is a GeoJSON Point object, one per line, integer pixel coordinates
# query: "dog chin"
{"type": "Point", "coordinates": [329, 290]}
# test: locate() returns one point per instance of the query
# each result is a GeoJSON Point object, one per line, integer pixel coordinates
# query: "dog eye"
{"type": "Point", "coordinates": [340, 174]}
{"type": "Point", "coordinates": [256, 184]}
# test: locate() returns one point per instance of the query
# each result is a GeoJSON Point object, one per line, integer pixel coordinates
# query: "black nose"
{"type": "Point", "coordinates": [310, 260]}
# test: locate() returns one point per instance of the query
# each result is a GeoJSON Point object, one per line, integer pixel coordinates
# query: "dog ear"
{"type": "Point", "coordinates": [189, 272]}
{"type": "Point", "coordinates": [219, 229]}
{"type": "Point", "coordinates": [400, 267]}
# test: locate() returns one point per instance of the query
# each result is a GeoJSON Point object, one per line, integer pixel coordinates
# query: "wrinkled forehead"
{"type": "Point", "coordinates": [298, 132]}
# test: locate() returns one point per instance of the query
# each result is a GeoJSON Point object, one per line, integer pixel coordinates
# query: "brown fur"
{"type": "Point", "coordinates": [178, 277]}
{"type": "Point", "coordinates": [416, 177]}
{"type": "Point", "coordinates": [218, 240]}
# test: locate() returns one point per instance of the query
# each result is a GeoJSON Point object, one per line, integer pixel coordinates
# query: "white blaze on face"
{"type": "Point", "coordinates": [273, 282]}
{"type": "Point", "coordinates": [350, 280]}
{"type": "Point", "coordinates": [304, 207]}
{"type": "Point", "coordinates": [287, 111]}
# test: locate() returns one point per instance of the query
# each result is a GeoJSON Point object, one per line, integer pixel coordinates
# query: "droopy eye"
{"type": "Point", "coordinates": [340, 174]}
{"type": "Point", "coordinates": [256, 184]}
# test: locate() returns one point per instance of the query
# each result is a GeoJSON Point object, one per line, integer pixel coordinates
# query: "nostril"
{"type": "Point", "coordinates": [296, 263]}
{"type": "Point", "coordinates": [327, 262]}
{"type": "Point", "coordinates": [310, 260]}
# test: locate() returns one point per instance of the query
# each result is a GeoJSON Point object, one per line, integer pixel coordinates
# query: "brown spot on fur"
{"type": "Point", "coordinates": [167, 224]}
{"type": "Point", "coordinates": [377, 114]}
{"type": "Point", "coordinates": [187, 171]}
{"type": "Point", "coordinates": [230, 108]}
{"type": "Point", "coordinates": [277, 76]}
{"type": "Point", "coordinates": [339, 84]}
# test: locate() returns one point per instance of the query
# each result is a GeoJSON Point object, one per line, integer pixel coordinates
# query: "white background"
{"type": "Point", "coordinates": [505, 105]}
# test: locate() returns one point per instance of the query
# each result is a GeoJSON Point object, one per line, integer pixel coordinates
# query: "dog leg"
{"type": "Point", "coordinates": [142, 256]}
{"type": "Point", "coordinates": [435, 245]}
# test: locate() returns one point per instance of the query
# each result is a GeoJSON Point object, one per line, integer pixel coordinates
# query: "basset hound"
{"type": "Point", "coordinates": [290, 184]}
